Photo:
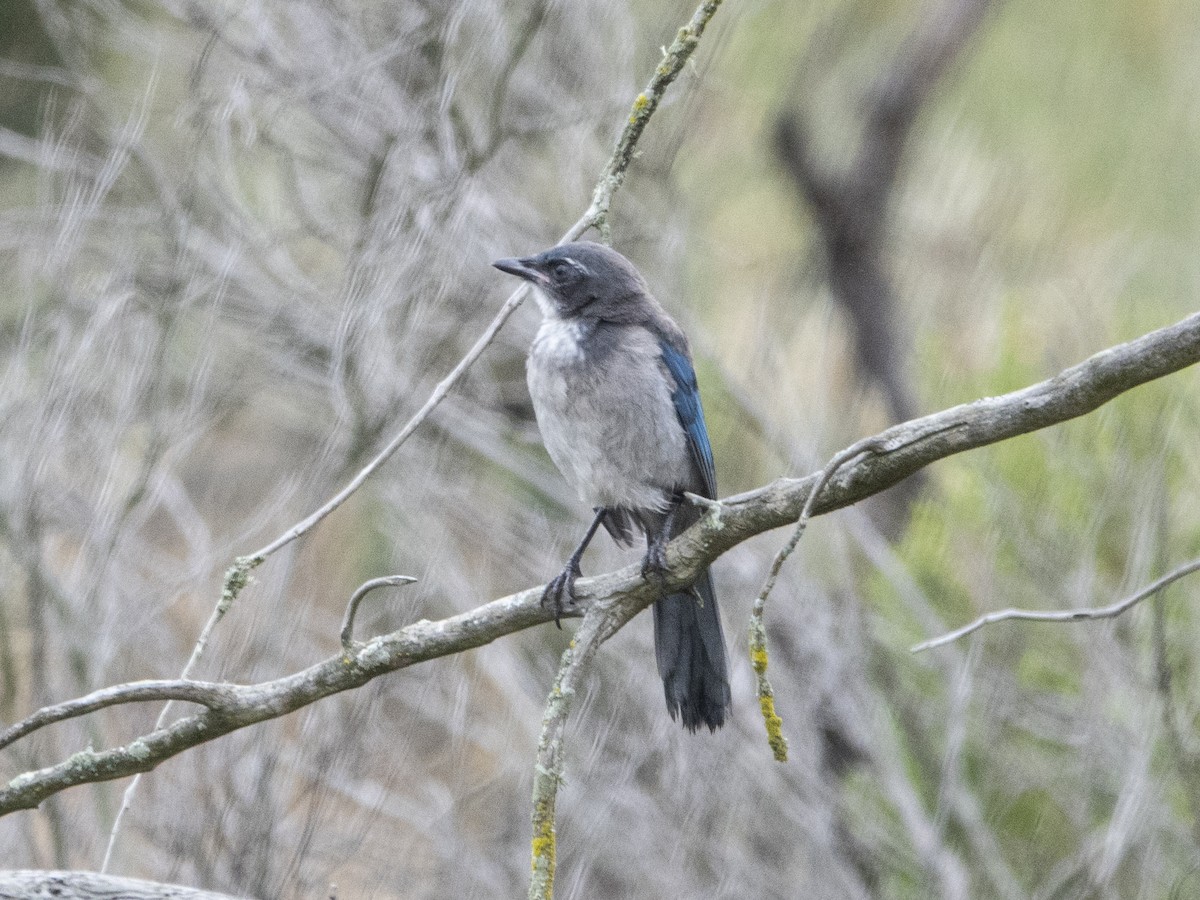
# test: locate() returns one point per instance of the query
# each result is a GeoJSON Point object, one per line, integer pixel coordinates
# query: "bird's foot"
{"type": "Point", "coordinates": [654, 564]}
{"type": "Point", "coordinates": [561, 591]}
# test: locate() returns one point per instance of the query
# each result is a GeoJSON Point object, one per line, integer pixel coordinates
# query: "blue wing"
{"type": "Point", "coordinates": [686, 398]}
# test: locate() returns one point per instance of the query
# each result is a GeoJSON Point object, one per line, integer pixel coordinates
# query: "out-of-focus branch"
{"type": "Point", "coordinates": [850, 207]}
{"type": "Point", "coordinates": [891, 456]}
{"type": "Point", "coordinates": [898, 96]}
{"type": "Point", "coordinates": [1086, 614]}
{"type": "Point", "coordinates": [94, 886]}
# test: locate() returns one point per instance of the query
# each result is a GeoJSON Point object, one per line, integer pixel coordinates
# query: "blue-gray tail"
{"type": "Point", "coordinates": [690, 647]}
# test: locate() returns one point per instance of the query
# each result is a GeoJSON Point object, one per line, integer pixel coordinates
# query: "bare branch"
{"type": "Point", "coordinates": [894, 454]}
{"type": "Point", "coordinates": [1062, 615]}
{"type": "Point", "coordinates": [214, 696]}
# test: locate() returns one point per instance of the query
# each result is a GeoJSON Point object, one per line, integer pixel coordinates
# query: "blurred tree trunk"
{"type": "Point", "coordinates": [850, 207]}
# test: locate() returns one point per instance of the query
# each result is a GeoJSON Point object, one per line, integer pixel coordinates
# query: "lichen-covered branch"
{"type": "Point", "coordinates": [548, 772]}
{"type": "Point", "coordinates": [601, 621]}
{"type": "Point", "coordinates": [675, 57]}
{"type": "Point", "coordinates": [759, 655]}
{"type": "Point", "coordinates": [894, 454]}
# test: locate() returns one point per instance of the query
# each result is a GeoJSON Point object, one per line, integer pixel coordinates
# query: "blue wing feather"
{"type": "Point", "coordinates": [686, 398]}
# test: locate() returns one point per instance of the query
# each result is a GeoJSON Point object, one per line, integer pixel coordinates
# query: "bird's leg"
{"type": "Point", "coordinates": [563, 586]}
{"type": "Point", "coordinates": [655, 563]}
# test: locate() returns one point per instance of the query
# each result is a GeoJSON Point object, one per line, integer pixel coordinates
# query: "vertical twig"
{"type": "Point", "coordinates": [759, 657]}
{"type": "Point", "coordinates": [548, 774]}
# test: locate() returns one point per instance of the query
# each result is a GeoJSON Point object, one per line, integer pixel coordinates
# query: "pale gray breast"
{"type": "Point", "coordinates": [603, 403]}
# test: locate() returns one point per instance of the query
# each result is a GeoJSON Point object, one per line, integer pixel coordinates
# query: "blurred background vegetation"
{"type": "Point", "coordinates": [240, 243]}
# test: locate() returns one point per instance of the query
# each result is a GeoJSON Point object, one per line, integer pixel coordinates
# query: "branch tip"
{"type": "Point", "coordinates": [766, 696]}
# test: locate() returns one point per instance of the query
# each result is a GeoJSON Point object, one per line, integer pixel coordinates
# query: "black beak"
{"type": "Point", "coordinates": [522, 269]}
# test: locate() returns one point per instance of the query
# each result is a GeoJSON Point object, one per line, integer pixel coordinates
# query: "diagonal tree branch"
{"type": "Point", "coordinates": [891, 456]}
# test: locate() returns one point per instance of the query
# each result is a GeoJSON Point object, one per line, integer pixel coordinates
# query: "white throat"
{"type": "Point", "coordinates": [545, 304]}
{"type": "Point", "coordinates": [560, 339]}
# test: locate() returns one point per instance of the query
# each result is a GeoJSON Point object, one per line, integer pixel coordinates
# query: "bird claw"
{"type": "Point", "coordinates": [654, 564]}
{"type": "Point", "coordinates": [561, 591]}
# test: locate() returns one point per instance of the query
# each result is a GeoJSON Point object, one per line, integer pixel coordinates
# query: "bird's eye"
{"type": "Point", "coordinates": [562, 271]}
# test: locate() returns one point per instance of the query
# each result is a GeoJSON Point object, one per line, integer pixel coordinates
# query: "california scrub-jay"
{"type": "Point", "coordinates": [616, 400]}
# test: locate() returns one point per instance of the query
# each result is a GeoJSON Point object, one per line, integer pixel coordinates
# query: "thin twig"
{"type": "Point", "coordinates": [759, 656]}
{"type": "Point", "coordinates": [1063, 615]}
{"type": "Point", "coordinates": [437, 396]}
{"type": "Point", "coordinates": [548, 774]}
{"type": "Point", "coordinates": [356, 598]}
{"type": "Point", "coordinates": [236, 578]}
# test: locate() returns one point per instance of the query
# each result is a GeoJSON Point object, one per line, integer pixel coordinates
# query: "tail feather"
{"type": "Point", "coordinates": [689, 645]}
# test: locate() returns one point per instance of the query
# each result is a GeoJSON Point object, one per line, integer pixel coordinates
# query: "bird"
{"type": "Point", "coordinates": [616, 399]}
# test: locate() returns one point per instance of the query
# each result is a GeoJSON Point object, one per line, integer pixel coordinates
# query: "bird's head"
{"type": "Point", "coordinates": [581, 279]}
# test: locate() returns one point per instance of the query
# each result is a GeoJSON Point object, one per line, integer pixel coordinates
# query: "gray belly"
{"type": "Point", "coordinates": [608, 423]}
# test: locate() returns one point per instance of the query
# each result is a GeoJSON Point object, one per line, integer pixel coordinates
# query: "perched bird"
{"type": "Point", "coordinates": [616, 400]}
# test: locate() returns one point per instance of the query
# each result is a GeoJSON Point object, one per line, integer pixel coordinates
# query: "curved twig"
{"type": "Point", "coordinates": [347, 633]}
{"type": "Point", "coordinates": [1061, 615]}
